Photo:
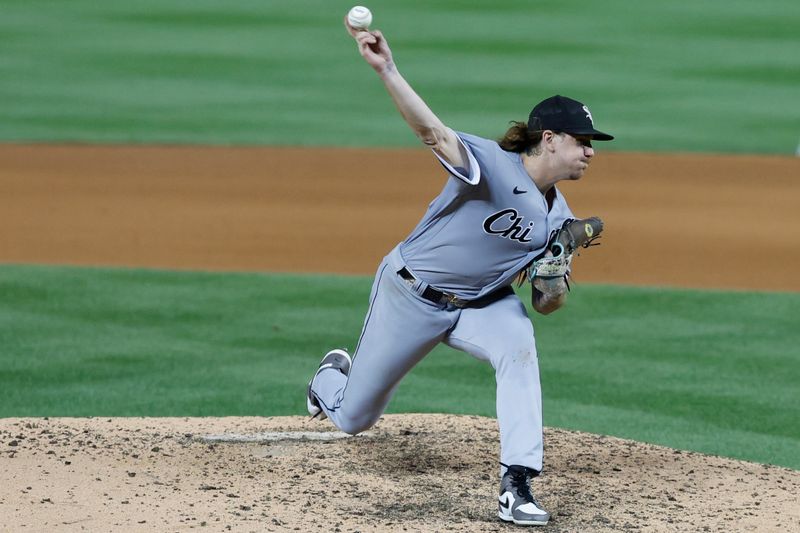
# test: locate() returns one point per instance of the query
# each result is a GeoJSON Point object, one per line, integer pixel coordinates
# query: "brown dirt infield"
{"type": "Point", "coordinates": [409, 473]}
{"type": "Point", "coordinates": [678, 220]}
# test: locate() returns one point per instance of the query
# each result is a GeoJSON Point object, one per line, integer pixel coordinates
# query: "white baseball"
{"type": "Point", "coordinates": [359, 18]}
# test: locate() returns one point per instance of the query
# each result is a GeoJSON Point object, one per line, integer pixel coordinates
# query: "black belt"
{"type": "Point", "coordinates": [439, 297]}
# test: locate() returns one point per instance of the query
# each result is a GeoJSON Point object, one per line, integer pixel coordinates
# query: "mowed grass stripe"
{"type": "Point", "coordinates": [711, 371]}
{"type": "Point", "coordinates": [661, 76]}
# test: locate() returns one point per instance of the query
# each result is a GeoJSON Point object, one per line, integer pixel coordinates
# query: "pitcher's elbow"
{"type": "Point", "coordinates": [428, 137]}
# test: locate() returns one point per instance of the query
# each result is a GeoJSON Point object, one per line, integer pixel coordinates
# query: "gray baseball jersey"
{"type": "Point", "coordinates": [487, 224]}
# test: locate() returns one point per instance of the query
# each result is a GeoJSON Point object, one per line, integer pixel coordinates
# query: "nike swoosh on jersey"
{"type": "Point", "coordinates": [517, 191]}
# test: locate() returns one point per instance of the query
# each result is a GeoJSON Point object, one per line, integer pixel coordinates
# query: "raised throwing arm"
{"type": "Point", "coordinates": [424, 123]}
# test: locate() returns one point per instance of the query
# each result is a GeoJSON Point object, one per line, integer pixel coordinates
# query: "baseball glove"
{"type": "Point", "coordinates": [574, 234]}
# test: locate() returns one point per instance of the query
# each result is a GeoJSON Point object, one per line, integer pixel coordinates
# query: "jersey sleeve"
{"type": "Point", "coordinates": [559, 214]}
{"type": "Point", "coordinates": [472, 174]}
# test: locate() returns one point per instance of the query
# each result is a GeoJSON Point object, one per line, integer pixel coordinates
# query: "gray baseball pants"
{"type": "Point", "coordinates": [402, 327]}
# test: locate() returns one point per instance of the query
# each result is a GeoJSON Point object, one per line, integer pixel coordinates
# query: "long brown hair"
{"type": "Point", "coordinates": [519, 139]}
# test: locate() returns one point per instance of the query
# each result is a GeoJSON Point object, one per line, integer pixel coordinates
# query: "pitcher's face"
{"type": "Point", "coordinates": [574, 152]}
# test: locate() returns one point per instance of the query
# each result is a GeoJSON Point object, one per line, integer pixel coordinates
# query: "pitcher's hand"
{"type": "Point", "coordinates": [373, 48]}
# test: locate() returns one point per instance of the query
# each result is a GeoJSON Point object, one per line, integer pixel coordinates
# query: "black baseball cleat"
{"type": "Point", "coordinates": [516, 503]}
{"type": "Point", "coordinates": [335, 359]}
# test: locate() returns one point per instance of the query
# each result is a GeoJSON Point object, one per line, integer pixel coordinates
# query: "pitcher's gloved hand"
{"type": "Point", "coordinates": [557, 260]}
{"type": "Point", "coordinates": [574, 234]}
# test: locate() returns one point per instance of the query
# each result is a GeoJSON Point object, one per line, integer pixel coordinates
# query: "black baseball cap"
{"type": "Point", "coordinates": [561, 114]}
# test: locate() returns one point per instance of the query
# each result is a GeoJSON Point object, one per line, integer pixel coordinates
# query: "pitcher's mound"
{"type": "Point", "coordinates": [409, 473]}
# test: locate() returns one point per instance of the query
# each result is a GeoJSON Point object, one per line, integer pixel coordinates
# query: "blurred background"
{"type": "Point", "coordinates": [711, 76]}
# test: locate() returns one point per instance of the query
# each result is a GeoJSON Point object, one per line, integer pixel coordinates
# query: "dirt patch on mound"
{"type": "Point", "coordinates": [409, 473]}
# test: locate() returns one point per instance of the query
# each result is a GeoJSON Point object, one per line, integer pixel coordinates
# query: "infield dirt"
{"type": "Point", "coordinates": [409, 473]}
{"type": "Point", "coordinates": [678, 220]}
{"type": "Point", "coordinates": [673, 220]}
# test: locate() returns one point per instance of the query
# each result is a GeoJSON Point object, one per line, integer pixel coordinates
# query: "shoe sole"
{"type": "Point", "coordinates": [522, 522]}
{"type": "Point", "coordinates": [313, 409]}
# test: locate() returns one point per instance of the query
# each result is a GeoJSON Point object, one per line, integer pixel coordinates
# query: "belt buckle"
{"type": "Point", "coordinates": [455, 301]}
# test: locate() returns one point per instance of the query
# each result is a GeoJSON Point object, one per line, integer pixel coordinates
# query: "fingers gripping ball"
{"type": "Point", "coordinates": [359, 18]}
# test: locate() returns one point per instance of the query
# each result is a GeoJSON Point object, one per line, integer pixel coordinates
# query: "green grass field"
{"type": "Point", "coordinates": [703, 370]}
{"type": "Point", "coordinates": [717, 75]}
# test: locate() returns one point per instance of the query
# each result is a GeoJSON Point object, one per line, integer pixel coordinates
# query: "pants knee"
{"type": "Point", "coordinates": [516, 361]}
{"type": "Point", "coordinates": [354, 426]}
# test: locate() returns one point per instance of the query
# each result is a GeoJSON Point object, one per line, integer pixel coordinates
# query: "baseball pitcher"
{"type": "Point", "coordinates": [498, 219]}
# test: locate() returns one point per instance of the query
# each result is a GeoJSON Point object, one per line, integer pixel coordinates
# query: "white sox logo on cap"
{"type": "Point", "coordinates": [588, 115]}
{"type": "Point", "coordinates": [564, 115]}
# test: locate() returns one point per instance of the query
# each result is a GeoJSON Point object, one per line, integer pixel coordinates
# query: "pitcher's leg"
{"type": "Point", "coordinates": [502, 334]}
{"type": "Point", "coordinates": [399, 330]}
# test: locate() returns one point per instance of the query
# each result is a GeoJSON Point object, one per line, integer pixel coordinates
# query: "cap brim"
{"type": "Point", "coordinates": [596, 135]}
{"type": "Point", "coordinates": [600, 136]}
